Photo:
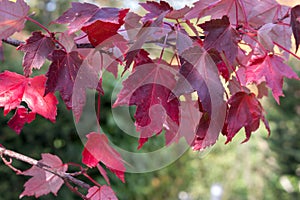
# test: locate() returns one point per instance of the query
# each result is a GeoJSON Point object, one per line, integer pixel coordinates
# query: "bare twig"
{"type": "Point", "coordinates": [65, 176]}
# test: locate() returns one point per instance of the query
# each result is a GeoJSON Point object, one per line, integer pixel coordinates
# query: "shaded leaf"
{"type": "Point", "coordinates": [36, 49]}
{"type": "Point", "coordinates": [295, 23]}
{"type": "Point", "coordinates": [62, 74]}
{"type": "Point", "coordinates": [221, 36]}
{"type": "Point", "coordinates": [199, 73]}
{"type": "Point", "coordinates": [44, 182]}
{"type": "Point", "coordinates": [12, 17]}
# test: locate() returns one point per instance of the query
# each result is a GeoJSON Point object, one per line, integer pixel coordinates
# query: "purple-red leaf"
{"type": "Point", "coordinates": [245, 111]}
{"type": "Point", "coordinates": [270, 69]}
{"type": "Point", "coordinates": [150, 84]}
{"type": "Point", "coordinates": [295, 23]}
{"type": "Point", "coordinates": [77, 16]}
{"type": "Point", "coordinates": [20, 118]}
{"type": "Point", "coordinates": [101, 193]}
{"type": "Point", "coordinates": [155, 9]}
{"type": "Point", "coordinates": [12, 17]}
{"type": "Point", "coordinates": [199, 73]}
{"type": "Point", "coordinates": [36, 49]}
{"type": "Point", "coordinates": [221, 36]}
{"type": "Point", "coordinates": [62, 74]}
{"type": "Point", "coordinates": [44, 182]}
{"type": "Point", "coordinates": [15, 88]}
{"type": "Point", "coordinates": [97, 149]}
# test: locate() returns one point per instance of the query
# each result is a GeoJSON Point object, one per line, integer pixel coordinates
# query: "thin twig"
{"type": "Point", "coordinates": [33, 162]}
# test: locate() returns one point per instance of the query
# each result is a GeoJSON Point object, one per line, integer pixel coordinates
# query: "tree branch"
{"type": "Point", "coordinates": [65, 176]}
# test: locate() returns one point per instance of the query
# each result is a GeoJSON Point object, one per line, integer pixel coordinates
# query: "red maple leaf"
{"type": "Point", "coordinates": [272, 70]}
{"type": "Point", "coordinates": [44, 182]}
{"type": "Point", "coordinates": [12, 17]}
{"type": "Point", "coordinates": [155, 9]}
{"type": "Point", "coordinates": [221, 36]}
{"type": "Point", "coordinates": [295, 23]}
{"type": "Point", "coordinates": [21, 116]}
{"type": "Point", "coordinates": [199, 73]}
{"type": "Point", "coordinates": [109, 19]}
{"type": "Point", "coordinates": [89, 74]}
{"type": "Point", "coordinates": [62, 74]}
{"type": "Point", "coordinates": [101, 193]}
{"type": "Point", "coordinates": [97, 149]}
{"type": "Point", "coordinates": [148, 85]}
{"type": "Point", "coordinates": [15, 88]}
{"type": "Point", "coordinates": [37, 48]}
{"type": "Point", "coordinates": [245, 111]}
{"type": "Point", "coordinates": [77, 16]}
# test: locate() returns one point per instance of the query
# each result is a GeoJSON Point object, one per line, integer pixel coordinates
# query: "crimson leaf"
{"type": "Point", "coordinates": [109, 19]}
{"type": "Point", "coordinates": [37, 48]}
{"type": "Point", "coordinates": [44, 182]}
{"type": "Point", "coordinates": [245, 111]}
{"type": "Point", "coordinates": [21, 116]}
{"type": "Point", "coordinates": [97, 149]}
{"type": "Point", "coordinates": [15, 88]}
{"type": "Point", "coordinates": [272, 70]}
{"type": "Point", "coordinates": [12, 17]}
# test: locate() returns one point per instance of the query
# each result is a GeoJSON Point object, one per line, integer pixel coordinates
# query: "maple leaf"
{"type": "Point", "coordinates": [189, 119]}
{"type": "Point", "coordinates": [101, 193]}
{"type": "Point", "coordinates": [109, 19]}
{"type": "Point", "coordinates": [148, 29]}
{"type": "Point", "coordinates": [15, 88]}
{"type": "Point", "coordinates": [12, 17]}
{"type": "Point", "coordinates": [62, 74]}
{"type": "Point", "coordinates": [21, 116]}
{"type": "Point", "coordinates": [267, 11]}
{"type": "Point", "coordinates": [44, 182]}
{"type": "Point", "coordinates": [272, 70]}
{"type": "Point", "coordinates": [270, 33]}
{"type": "Point", "coordinates": [245, 111]}
{"type": "Point", "coordinates": [237, 11]}
{"type": "Point", "coordinates": [97, 149]}
{"type": "Point", "coordinates": [87, 78]}
{"type": "Point", "coordinates": [221, 36]}
{"type": "Point", "coordinates": [199, 73]}
{"type": "Point", "coordinates": [37, 48]}
{"type": "Point", "coordinates": [148, 85]}
{"type": "Point", "coordinates": [155, 9]}
{"type": "Point", "coordinates": [295, 23]}
{"type": "Point", "coordinates": [77, 16]}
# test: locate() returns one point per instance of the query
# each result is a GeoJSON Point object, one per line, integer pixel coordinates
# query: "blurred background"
{"type": "Point", "coordinates": [264, 168]}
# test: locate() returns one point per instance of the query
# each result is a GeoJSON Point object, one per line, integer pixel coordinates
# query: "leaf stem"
{"type": "Point", "coordinates": [285, 49]}
{"type": "Point", "coordinates": [39, 24]}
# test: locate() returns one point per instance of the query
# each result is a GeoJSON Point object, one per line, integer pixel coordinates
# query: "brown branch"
{"type": "Point", "coordinates": [17, 43]}
{"type": "Point", "coordinates": [65, 176]}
